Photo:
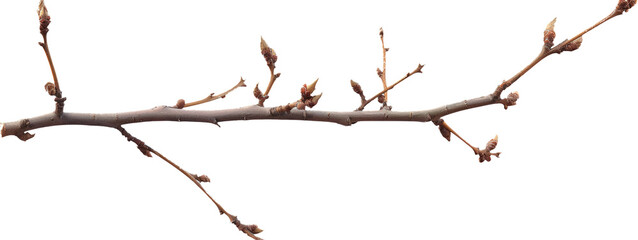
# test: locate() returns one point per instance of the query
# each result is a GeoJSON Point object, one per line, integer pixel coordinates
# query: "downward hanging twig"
{"type": "Point", "coordinates": [249, 230]}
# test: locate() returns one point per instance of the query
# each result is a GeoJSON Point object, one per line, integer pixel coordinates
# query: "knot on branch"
{"type": "Point", "coordinates": [59, 104]}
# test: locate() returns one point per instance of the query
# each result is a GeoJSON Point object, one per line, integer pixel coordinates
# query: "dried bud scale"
{"type": "Point", "coordinates": [45, 19]}
{"type": "Point", "coordinates": [549, 34]}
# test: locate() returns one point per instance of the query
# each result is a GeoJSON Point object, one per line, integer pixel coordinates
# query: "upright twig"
{"type": "Point", "coordinates": [365, 103]}
{"type": "Point", "coordinates": [382, 74]}
{"type": "Point", "coordinates": [271, 58]}
{"type": "Point", "coordinates": [52, 88]}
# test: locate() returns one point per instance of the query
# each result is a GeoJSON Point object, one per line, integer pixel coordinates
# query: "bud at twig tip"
{"type": "Point", "coordinates": [311, 87]}
{"type": "Point", "coordinates": [549, 34]}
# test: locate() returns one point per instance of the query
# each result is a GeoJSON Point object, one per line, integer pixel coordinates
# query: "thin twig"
{"type": "Point", "coordinates": [364, 104]}
{"type": "Point", "coordinates": [556, 49]}
{"type": "Point", "coordinates": [249, 230]}
{"type": "Point", "coordinates": [212, 96]}
{"type": "Point", "coordinates": [383, 74]}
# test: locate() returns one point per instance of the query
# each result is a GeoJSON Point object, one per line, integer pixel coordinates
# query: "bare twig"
{"type": "Point", "coordinates": [249, 230]}
{"type": "Point", "coordinates": [52, 88]}
{"type": "Point", "coordinates": [567, 45]}
{"type": "Point", "coordinates": [212, 97]}
{"type": "Point", "coordinates": [271, 58]}
{"type": "Point", "coordinates": [364, 104]}
{"type": "Point", "coordinates": [383, 73]}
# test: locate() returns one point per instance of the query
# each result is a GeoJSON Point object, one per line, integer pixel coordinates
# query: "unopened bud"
{"type": "Point", "coordinates": [268, 53]}
{"type": "Point", "coordinates": [573, 45]}
{"type": "Point", "coordinates": [381, 98]}
{"type": "Point", "coordinates": [254, 229]}
{"type": "Point", "coordinates": [492, 144]}
{"type": "Point", "coordinates": [50, 88]}
{"type": "Point", "coordinates": [625, 5]}
{"type": "Point", "coordinates": [311, 87]}
{"type": "Point", "coordinates": [356, 87]}
{"type": "Point", "coordinates": [180, 104]}
{"type": "Point", "coordinates": [444, 132]}
{"type": "Point", "coordinates": [549, 34]}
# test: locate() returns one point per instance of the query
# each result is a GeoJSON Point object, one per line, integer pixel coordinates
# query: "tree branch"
{"type": "Point", "coordinates": [165, 113]}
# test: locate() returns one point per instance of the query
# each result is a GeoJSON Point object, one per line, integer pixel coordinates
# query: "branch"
{"type": "Point", "coordinates": [249, 230]}
{"type": "Point", "coordinates": [164, 113]}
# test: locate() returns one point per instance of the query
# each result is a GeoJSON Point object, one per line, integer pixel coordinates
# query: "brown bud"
{"type": "Point", "coordinates": [257, 93]}
{"type": "Point", "coordinates": [311, 87]}
{"type": "Point", "coordinates": [573, 45]}
{"type": "Point", "coordinates": [42, 11]}
{"type": "Point", "coordinates": [625, 5]}
{"type": "Point", "coordinates": [254, 229]}
{"type": "Point", "coordinates": [381, 32]}
{"type": "Point", "coordinates": [201, 178]}
{"type": "Point", "coordinates": [549, 34]}
{"type": "Point", "coordinates": [510, 100]}
{"type": "Point", "coordinates": [445, 132]}
{"type": "Point", "coordinates": [269, 54]}
{"type": "Point", "coordinates": [491, 144]}
{"type": "Point", "coordinates": [180, 104]}
{"type": "Point", "coordinates": [381, 98]}
{"type": "Point", "coordinates": [356, 87]}
{"type": "Point", "coordinates": [380, 73]}
{"type": "Point", "coordinates": [314, 100]}
{"type": "Point", "coordinates": [50, 88]}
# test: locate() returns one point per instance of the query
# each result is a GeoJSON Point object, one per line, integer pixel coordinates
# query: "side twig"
{"type": "Point", "coordinates": [212, 97]}
{"type": "Point", "coordinates": [249, 230]}
{"type": "Point", "coordinates": [52, 88]}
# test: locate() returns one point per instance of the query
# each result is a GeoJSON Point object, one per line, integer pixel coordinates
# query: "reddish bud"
{"type": "Point", "coordinates": [573, 45]}
{"type": "Point", "coordinates": [380, 73]}
{"type": "Point", "coordinates": [510, 100]}
{"type": "Point", "coordinates": [314, 100]}
{"type": "Point", "coordinates": [549, 34]}
{"type": "Point", "coordinates": [445, 132]}
{"type": "Point", "coordinates": [180, 104]}
{"type": "Point", "coordinates": [381, 98]}
{"type": "Point", "coordinates": [625, 5]}
{"type": "Point", "coordinates": [50, 88]}
{"type": "Point", "coordinates": [269, 54]}
{"type": "Point", "coordinates": [254, 229]}
{"type": "Point", "coordinates": [492, 144]}
{"type": "Point", "coordinates": [356, 87]}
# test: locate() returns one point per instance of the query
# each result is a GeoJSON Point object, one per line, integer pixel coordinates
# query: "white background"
{"type": "Point", "coordinates": [568, 168]}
